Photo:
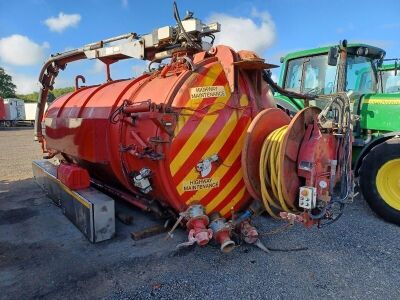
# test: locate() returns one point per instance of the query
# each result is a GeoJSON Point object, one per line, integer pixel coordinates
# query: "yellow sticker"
{"type": "Point", "coordinates": [200, 184]}
{"type": "Point", "coordinates": [201, 92]}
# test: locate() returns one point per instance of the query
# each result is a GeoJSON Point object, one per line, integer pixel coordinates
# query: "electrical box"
{"type": "Point", "coordinates": [192, 25]}
{"type": "Point", "coordinates": [165, 33]}
{"type": "Point", "coordinates": [308, 197]}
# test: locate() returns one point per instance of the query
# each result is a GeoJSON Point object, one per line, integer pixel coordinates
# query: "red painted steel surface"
{"type": "Point", "coordinates": [72, 176]}
{"type": "Point", "coordinates": [2, 109]}
{"type": "Point", "coordinates": [166, 129]}
{"type": "Point", "coordinates": [319, 149]}
{"type": "Point", "coordinates": [292, 142]}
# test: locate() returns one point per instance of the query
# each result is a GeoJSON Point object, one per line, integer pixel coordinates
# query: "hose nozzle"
{"type": "Point", "coordinates": [222, 233]}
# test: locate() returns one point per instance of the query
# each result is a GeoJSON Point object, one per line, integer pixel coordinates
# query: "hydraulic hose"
{"type": "Point", "coordinates": [270, 173]}
{"type": "Point", "coordinates": [267, 78]}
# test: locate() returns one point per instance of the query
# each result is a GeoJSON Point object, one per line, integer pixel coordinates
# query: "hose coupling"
{"type": "Point", "coordinates": [222, 234]}
{"type": "Point", "coordinates": [197, 222]}
{"type": "Point", "coordinates": [291, 218]}
{"type": "Point", "coordinates": [248, 232]}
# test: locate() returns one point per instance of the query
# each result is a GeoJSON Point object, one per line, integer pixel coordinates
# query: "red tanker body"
{"type": "Point", "coordinates": [170, 123]}
{"type": "Point", "coordinates": [197, 137]}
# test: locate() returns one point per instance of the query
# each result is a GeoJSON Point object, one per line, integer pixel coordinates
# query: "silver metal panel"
{"type": "Point", "coordinates": [103, 213]}
{"type": "Point", "coordinates": [90, 210]}
{"type": "Point", "coordinates": [132, 49]}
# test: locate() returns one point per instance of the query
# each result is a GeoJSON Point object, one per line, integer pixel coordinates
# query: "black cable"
{"type": "Point", "coordinates": [116, 112]}
{"type": "Point", "coordinates": [182, 29]}
{"type": "Point", "coordinates": [267, 78]}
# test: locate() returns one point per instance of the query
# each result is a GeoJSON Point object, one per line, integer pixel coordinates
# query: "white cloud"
{"type": "Point", "coordinates": [255, 33]}
{"type": "Point", "coordinates": [26, 84]}
{"type": "Point", "coordinates": [21, 51]}
{"type": "Point", "coordinates": [98, 67]}
{"type": "Point", "coordinates": [62, 22]}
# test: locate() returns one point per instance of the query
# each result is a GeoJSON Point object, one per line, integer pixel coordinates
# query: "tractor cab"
{"type": "Point", "coordinates": [389, 78]}
{"type": "Point", "coordinates": [317, 72]}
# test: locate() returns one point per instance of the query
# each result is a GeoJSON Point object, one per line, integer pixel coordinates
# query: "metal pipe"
{"type": "Point", "coordinates": [342, 68]}
{"type": "Point", "coordinates": [50, 70]}
{"type": "Point", "coordinates": [140, 203]}
{"type": "Point", "coordinates": [47, 77]}
{"type": "Point", "coordinates": [81, 77]}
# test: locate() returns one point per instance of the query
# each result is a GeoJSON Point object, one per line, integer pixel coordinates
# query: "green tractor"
{"type": "Point", "coordinates": [373, 89]}
{"type": "Point", "coordinates": [389, 77]}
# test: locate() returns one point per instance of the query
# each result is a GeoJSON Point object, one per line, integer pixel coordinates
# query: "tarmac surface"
{"type": "Point", "coordinates": [43, 255]}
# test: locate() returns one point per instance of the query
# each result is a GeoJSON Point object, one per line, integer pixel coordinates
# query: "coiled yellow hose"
{"type": "Point", "coordinates": [270, 173]}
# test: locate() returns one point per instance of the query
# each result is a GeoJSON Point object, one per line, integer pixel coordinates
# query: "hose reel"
{"type": "Point", "coordinates": [280, 155]}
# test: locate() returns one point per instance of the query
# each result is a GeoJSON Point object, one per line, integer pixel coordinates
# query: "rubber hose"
{"type": "Point", "coordinates": [270, 173]}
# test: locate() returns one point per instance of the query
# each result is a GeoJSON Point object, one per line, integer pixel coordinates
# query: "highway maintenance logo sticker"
{"type": "Point", "coordinates": [202, 92]}
{"type": "Point", "coordinates": [200, 184]}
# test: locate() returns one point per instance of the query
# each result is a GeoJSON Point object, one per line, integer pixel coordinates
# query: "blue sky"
{"type": "Point", "coordinates": [31, 30]}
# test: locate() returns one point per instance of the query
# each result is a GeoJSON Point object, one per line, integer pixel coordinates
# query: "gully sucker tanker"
{"type": "Point", "coordinates": [191, 137]}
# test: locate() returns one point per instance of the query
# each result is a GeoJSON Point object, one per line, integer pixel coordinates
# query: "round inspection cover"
{"type": "Point", "coordinates": [291, 147]}
{"type": "Point", "coordinates": [262, 125]}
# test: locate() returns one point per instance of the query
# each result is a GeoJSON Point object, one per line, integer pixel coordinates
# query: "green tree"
{"type": "Point", "coordinates": [33, 97]}
{"type": "Point", "coordinates": [7, 87]}
{"type": "Point", "coordinates": [62, 91]}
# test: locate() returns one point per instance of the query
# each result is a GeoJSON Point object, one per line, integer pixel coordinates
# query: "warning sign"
{"type": "Point", "coordinates": [200, 184]}
{"type": "Point", "coordinates": [207, 92]}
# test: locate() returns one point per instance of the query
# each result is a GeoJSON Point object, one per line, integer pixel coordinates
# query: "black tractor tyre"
{"type": "Point", "coordinates": [372, 162]}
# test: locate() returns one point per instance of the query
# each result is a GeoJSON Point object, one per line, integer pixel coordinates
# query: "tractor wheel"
{"type": "Point", "coordinates": [380, 179]}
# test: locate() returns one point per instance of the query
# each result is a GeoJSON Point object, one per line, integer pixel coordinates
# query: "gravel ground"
{"type": "Point", "coordinates": [42, 255]}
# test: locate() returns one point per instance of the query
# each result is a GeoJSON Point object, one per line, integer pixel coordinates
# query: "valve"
{"type": "Point", "coordinates": [222, 231]}
{"type": "Point", "coordinates": [141, 180]}
{"type": "Point", "coordinates": [248, 232]}
{"type": "Point", "coordinates": [250, 235]}
{"type": "Point", "coordinates": [291, 218]}
{"type": "Point", "coordinates": [205, 166]}
{"type": "Point", "coordinates": [197, 222]}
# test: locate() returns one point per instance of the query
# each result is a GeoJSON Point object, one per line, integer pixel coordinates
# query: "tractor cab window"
{"type": "Point", "coordinates": [313, 75]}
{"type": "Point", "coordinates": [293, 77]}
{"type": "Point", "coordinates": [390, 82]}
{"type": "Point", "coordinates": [310, 75]}
{"type": "Point", "coordinates": [360, 75]}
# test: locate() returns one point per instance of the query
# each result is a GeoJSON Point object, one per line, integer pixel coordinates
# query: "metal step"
{"type": "Point", "coordinates": [92, 212]}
